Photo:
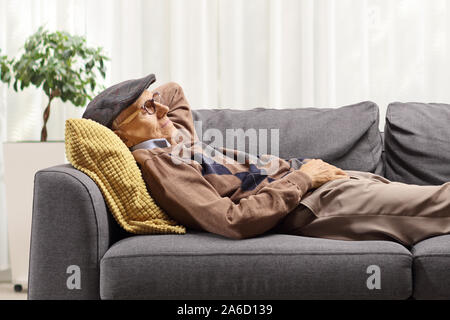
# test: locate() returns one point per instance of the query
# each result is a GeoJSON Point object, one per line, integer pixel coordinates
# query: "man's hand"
{"type": "Point", "coordinates": [321, 172]}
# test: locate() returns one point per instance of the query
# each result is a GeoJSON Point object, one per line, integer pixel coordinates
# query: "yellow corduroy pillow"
{"type": "Point", "coordinates": [98, 152]}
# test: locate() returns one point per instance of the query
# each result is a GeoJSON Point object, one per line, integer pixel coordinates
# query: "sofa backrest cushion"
{"type": "Point", "coordinates": [417, 143]}
{"type": "Point", "coordinates": [347, 137]}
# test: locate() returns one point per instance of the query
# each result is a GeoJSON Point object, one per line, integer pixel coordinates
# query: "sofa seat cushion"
{"type": "Point", "coordinates": [431, 268]}
{"type": "Point", "coordinates": [273, 266]}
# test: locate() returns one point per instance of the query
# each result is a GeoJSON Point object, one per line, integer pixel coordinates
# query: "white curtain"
{"type": "Point", "coordinates": [240, 54]}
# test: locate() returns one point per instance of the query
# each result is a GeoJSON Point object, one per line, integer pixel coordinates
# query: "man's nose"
{"type": "Point", "coordinates": [161, 110]}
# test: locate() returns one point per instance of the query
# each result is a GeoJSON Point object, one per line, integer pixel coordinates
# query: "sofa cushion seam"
{"type": "Point", "coordinates": [182, 254]}
{"type": "Point", "coordinates": [367, 135]}
{"type": "Point", "coordinates": [432, 256]}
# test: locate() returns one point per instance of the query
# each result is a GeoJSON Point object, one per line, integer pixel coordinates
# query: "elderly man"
{"type": "Point", "coordinates": [215, 192]}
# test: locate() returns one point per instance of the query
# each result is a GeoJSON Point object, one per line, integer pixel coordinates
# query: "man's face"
{"type": "Point", "coordinates": [135, 125]}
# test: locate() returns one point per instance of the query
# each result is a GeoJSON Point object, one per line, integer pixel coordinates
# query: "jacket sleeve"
{"type": "Point", "coordinates": [182, 191]}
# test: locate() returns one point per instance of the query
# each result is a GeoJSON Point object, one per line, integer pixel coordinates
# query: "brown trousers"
{"type": "Point", "coordinates": [370, 207]}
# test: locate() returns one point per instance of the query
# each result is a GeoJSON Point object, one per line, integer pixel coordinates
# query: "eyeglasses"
{"type": "Point", "coordinates": [149, 105]}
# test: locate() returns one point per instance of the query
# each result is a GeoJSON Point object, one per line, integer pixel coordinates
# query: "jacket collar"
{"type": "Point", "coordinates": [151, 144]}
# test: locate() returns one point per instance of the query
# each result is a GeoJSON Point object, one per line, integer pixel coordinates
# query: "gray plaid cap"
{"type": "Point", "coordinates": [106, 106]}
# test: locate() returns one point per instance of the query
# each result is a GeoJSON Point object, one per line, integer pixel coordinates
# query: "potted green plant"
{"type": "Point", "coordinates": [65, 68]}
{"type": "Point", "coordinates": [59, 63]}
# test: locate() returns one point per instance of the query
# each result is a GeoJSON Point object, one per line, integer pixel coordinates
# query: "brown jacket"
{"type": "Point", "coordinates": [239, 200]}
{"type": "Point", "coordinates": [213, 190]}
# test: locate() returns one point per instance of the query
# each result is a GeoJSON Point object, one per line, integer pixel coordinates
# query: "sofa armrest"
{"type": "Point", "coordinates": [71, 230]}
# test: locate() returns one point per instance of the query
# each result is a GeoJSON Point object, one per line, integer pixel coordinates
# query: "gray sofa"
{"type": "Point", "coordinates": [79, 252]}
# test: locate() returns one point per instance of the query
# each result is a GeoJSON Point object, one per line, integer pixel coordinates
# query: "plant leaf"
{"type": "Point", "coordinates": [56, 61]}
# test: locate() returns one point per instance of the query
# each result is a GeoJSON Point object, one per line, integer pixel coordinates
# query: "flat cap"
{"type": "Point", "coordinates": [106, 106]}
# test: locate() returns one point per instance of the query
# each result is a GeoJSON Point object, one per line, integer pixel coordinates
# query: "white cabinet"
{"type": "Point", "coordinates": [22, 161]}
